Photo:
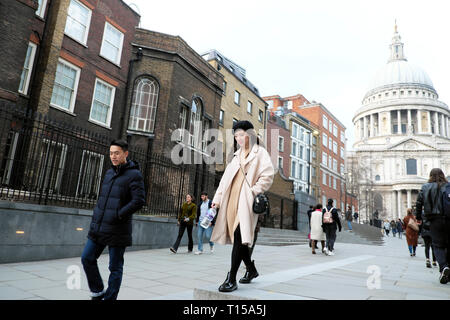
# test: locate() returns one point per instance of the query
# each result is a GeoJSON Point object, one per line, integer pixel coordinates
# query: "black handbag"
{"type": "Point", "coordinates": [261, 202]}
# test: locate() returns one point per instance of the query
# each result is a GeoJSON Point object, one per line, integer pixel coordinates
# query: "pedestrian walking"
{"type": "Point", "coordinates": [249, 172]}
{"type": "Point", "coordinates": [433, 199]}
{"type": "Point", "coordinates": [186, 218]}
{"type": "Point", "coordinates": [425, 232]}
{"type": "Point", "coordinates": [202, 210]}
{"type": "Point", "coordinates": [386, 227]}
{"type": "Point", "coordinates": [412, 231]}
{"type": "Point", "coordinates": [309, 212]}
{"type": "Point", "coordinates": [393, 227]}
{"type": "Point", "coordinates": [331, 223]}
{"type": "Point", "coordinates": [122, 194]}
{"type": "Point", "coordinates": [349, 218]}
{"type": "Point", "coordinates": [355, 216]}
{"type": "Point", "coordinates": [317, 233]}
{"type": "Point", "coordinates": [399, 225]}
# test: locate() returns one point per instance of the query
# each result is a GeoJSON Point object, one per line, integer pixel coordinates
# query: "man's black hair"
{"type": "Point", "coordinates": [330, 202]}
{"type": "Point", "coordinates": [204, 193]}
{"type": "Point", "coordinates": [120, 143]}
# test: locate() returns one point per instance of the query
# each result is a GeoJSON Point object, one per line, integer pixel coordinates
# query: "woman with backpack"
{"type": "Point", "coordinates": [434, 199]}
{"type": "Point", "coordinates": [330, 223]}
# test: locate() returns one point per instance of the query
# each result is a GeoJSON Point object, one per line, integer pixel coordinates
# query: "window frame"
{"type": "Point", "coordinates": [221, 117]}
{"type": "Point", "coordinates": [75, 89]}
{"type": "Point", "coordinates": [88, 25]}
{"type": "Point", "coordinates": [238, 95]}
{"type": "Point", "coordinates": [249, 104]}
{"type": "Point", "coordinates": [122, 36]}
{"type": "Point", "coordinates": [281, 140]}
{"type": "Point", "coordinates": [30, 68]}
{"type": "Point", "coordinates": [40, 11]}
{"type": "Point", "coordinates": [109, 116]}
{"type": "Point", "coordinates": [153, 97]}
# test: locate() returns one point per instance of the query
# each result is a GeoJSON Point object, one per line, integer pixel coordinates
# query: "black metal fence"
{"type": "Point", "coordinates": [54, 163]}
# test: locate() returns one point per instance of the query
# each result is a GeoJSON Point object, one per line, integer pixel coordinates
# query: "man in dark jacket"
{"type": "Point", "coordinates": [330, 228]}
{"type": "Point", "coordinates": [430, 200]}
{"type": "Point", "coordinates": [122, 194]}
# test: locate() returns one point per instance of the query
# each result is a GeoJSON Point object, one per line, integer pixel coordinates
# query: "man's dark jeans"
{"type": "Point", "coordinates": [89, 258]}
{"type": "Point", "coordinates": [330, 233]}
{"type": "Point", "coordinates": [189, 228]}
{"type": "Point", "coordinates": [440, 234]}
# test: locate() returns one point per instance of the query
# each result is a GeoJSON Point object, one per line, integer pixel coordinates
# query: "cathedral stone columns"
{"type": "Point", "coordinates": [408, 198]}
{"type": "Point", "coordinates": [419, 121]}
{"type": "Point", "coordinates": [429, 121]}
{"type": "Point", "coordinates": [409, 129]}
{"type": "Point", "coordinates": [399, 203]}
{"type": "Point", "coordinates": [372, 127]}
{"type": "Point", "coordinates": [365, 127]}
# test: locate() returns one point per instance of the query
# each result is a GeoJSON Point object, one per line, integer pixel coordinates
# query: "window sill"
{"type": "Point", "coordinates": [100, 124]}
{"type": "Point", "coordinates": [77, 41]}
{"type": "Point", "coordinates": [141, 133]}
{"type": "Point", "coordinates": [110, 61]}
{"type": "Point", "coordinates": [70, 113]}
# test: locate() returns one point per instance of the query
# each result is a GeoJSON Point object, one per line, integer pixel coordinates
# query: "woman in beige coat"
{"type": "Point", "coordinates": [249, 173]}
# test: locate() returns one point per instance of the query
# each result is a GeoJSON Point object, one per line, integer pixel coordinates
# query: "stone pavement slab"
{"type": "Point", "coordinates": [286, 273]}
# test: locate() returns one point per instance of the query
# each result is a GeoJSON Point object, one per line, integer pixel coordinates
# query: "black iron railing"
{"type": "Point", "coordinates": [50, 162]}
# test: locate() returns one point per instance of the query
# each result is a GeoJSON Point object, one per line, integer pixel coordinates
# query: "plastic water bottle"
{"type": "Point", "coordinates": [206, 222]}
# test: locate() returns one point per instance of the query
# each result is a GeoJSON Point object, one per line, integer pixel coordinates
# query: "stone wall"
{"type": "Point", "coordinates": [57, 232]}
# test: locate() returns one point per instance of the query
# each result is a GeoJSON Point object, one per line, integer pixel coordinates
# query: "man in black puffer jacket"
{"type": "Point", "coordinates": [122, 194]}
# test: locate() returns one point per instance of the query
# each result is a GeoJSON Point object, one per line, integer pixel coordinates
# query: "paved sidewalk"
{"type": "Point", "coordinates": [288, 272]}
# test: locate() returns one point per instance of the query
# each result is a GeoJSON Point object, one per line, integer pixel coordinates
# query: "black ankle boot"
{"type": "Point", "coordinates": [250, 274]}
{"type": "Point", "coordinates": [228, 285]}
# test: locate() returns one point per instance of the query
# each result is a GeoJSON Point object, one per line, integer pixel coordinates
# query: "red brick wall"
{"type": "Point", "coordinates": [285, 133]}
{"type": "Point", "coordinates": [126, 20]}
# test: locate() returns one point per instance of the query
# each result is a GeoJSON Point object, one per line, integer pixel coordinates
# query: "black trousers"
{"type": "Point", "coordinates": [183, 226]}
{"type": "Point", "coordinates": [428, 246]}
{"type": "Point", "coordinates": [440, 233]}
{"type": "Point", "coordinates": [330, 233]}
{"type": "Point", "coordinates": [239, 253]}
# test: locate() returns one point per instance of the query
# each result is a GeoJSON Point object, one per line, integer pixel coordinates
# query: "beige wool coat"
{"type": "Point", "coordinates": [259, 173]}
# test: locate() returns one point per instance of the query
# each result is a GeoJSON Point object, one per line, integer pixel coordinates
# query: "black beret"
{"type": "Point", "coordinates": [244, 125]}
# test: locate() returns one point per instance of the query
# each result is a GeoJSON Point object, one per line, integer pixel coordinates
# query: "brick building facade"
{"type": "Point", "coordinates": [184, 89]}
{"type": "Point", "coordinates": [332, 153]}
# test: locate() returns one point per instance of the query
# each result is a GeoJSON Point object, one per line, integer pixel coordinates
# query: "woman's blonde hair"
{"type": "Point", "coordinates": [409, 211]}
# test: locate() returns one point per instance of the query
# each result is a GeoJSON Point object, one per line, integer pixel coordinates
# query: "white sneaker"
{"type": "Point", "coordinates": [198, 252]}
{"type": "Point", "coordinates": [326, 251]}
{"type": "Point", "coordinates": [212, 249]}
{"type": "Point", "coordinates": [330, 253]}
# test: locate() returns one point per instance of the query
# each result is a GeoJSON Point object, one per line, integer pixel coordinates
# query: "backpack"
{"type": "Point", "coordinates": [327, 216]}
{"type": "Point", "coordinates": [446, 201]}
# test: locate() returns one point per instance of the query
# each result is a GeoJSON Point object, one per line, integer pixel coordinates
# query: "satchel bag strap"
{"type": "Point", "coordinates": [244, 175]}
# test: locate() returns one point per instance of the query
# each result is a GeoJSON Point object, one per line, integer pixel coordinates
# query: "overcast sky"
{"type": "Point", "coordinates": [328, 51]}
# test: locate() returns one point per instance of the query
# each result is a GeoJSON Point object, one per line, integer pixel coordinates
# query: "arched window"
{"type": "Point", "coordinates": [195, 124]}
{"type": "Point", "coordinates": [378, 202]}
{"type": "Point", "coordinates": [411, 166]}
{"type": "Point", "coordinates": [377, 177]}
{"type": "Point", "coordinates": [143, 106]}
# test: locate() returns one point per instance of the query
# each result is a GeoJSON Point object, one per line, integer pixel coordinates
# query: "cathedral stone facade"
{"type": "Point", "coordinates": [402, 131]}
